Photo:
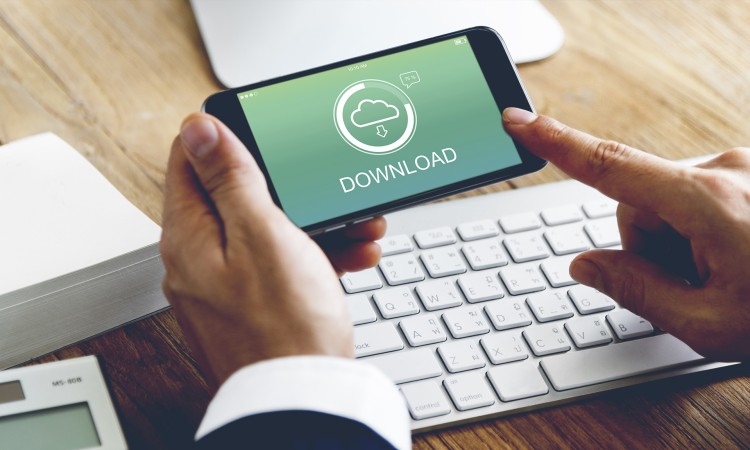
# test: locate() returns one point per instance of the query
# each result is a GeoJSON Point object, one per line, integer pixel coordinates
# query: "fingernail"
{"type": "Point", "coordinates": [586, 272]}
{"type": "Point", "coordinates": [200, 136]}
{"type": "Point", "coordinates": [518, 116]}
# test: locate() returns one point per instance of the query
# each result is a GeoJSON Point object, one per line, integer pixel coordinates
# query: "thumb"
{"type": "Point", "coordinates": [638, 285]}
{"type": "Point", "coordinates": [227, 172]}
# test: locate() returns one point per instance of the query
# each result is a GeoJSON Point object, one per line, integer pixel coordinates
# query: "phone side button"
{"type": "Point", "coordinates": [363, 220]}
{"type": "Point", "coordinates": [334, 228]}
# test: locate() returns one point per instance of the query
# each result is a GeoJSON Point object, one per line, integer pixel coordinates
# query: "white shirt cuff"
{"type": "Point", "coordinates": [331, 385]}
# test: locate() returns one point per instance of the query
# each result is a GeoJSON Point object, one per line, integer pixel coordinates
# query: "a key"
{"type": "Point", "coordinates": [628, 325]}
{"type": "Point", "coordinates": [360, 309]}
{"type": "Point", "coordinates": [504, 347]}
{"type": "Point", "coordinates": [393, 245]}
{"type": "Point", "coordinates": [562, 214]}
{"type": "Point", "coordinates": [438, 294]}
{"type": "Point", "coordinates": [567, 239]}
{"type": "Point", "coordinates": [588, 300]}
{"type": "Point", "coordinates": [549, 306]}
{"type": "Point", "coordinates": [515, 223]}
{"type": "Point", "coordinates": [408, 365]}
{"type": "Point", "coordinates": [471, 231]}
{"type": "Point", "coordinates": [376, 338]}
{"type": "Point", "coordinates": [588, 331]}
{"type": "Point", "coordinates": [603, 232]}
{"type": "Point", "coordinates": [469, 390]}
{"type": "Point", "coordinates": [517, 380]}
{"type": "Point", "coordinates": [422, 330]}
{"type": "Point", "coordinates": [396, 302]}
{"type": "Point", "coordinates": [526, 247]}
{"type": "Point", "coordinates": [467, 321]}
{"type": "Point", "coordinates": [435, 237]}
{"type": "Point", "coordinates": [485, 254]}
{"type": "Point", "coordinates": [480, 286]}
{"type": "Point", "coordinates": [443, 261]}
{"type": "Point", "coordinates": [600, 208]}
{"type": "Point", "coordinates": [614, 362]}
{"type": "Point", "coordinates": [522, 279]}
{"type": "Point", "coordinates": [507, 313]}
{"type": "Point", "coordinates": [425, 399]}
{"type": "Point", "coordinates": [459, 356]}
{"type": "Point", "coordinates": [401, 269]}
{"type": "Point", "coordinates": [546, 339]}
{"type": "Point", "coordinates": [557, 271]}
{"type": "Point", "coordinates": [364, 280]}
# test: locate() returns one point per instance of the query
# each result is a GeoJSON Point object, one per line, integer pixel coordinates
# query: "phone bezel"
{"type": "Point", "coordinates": [499, 71]}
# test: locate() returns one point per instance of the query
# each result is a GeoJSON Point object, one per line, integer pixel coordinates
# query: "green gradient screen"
{"type": "Point", "coordinates": [363, 135]}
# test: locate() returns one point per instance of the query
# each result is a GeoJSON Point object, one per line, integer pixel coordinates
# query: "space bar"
{"type": "Point", "coordinates": [613, 362]}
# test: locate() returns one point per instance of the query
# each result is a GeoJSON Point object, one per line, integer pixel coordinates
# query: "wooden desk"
{"type": "Point", "coordinates": [115, 78]}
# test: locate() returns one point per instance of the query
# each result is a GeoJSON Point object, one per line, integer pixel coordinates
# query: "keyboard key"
{"type": "Point", "coordinates": [408, 365]}
{"type": "Point", "coordinates": [628, 325]}
{"type": "Point", "coordinates": [422, 330]}
{"type": "Point", "coordinates": [469, 391]}
{"type": "Point", "coordinates": [549, 306]}
{"type": "Point", "coordinates": [401, 269]}
{"type": "Point", "coordinates": [557, 271]}
{"type": "Point", "coordinates": [516, 223]}
{"type": "Point", "coordinates": [588, 331]}
{"type": "Point", "coordinates": [613, 362]}
{"type": "Point", "coordinates": [480, 286]}
{"type": "Point", "coordinates": [484, 254]}
{"type": "Point", "coordinates": [425, 399]}
{"type": "Point", "coordinates": [561, 215]}
{"type": "Point", "coordinates": [471, 231]}
{"type": "Point", "coordinates": [603, 232]}
{"type": "Point", "coordinates": [464, 322]}
{"type": "Point", "coordinates": [588, 300]}
{"type": "Point", "coordinates": [439, 294]}
{"type": "Point", "coordinates": [396, 302]}
{"type": "Point", "coordinates": [517, 380]}
{"type": "Point", "coordinates": [376, 338]}
{"type": "Point", "coordinates": [504, 347]}
{"type": "Point", "coordinates": [522, 279]}
{"type": "Point", "coordinates": [600, 208]}
{"type": "Point", "coordinates": [508, 313]}
{"type": "Point", "coordinates": [567, 239]}
{"type": "Point", "coordinates": [393, 245]}
{"type": "Point", "coordinates": [360, 309]}
{"type": "Point", "coordinates": [546, 339]}
{"type": "Point", "coordinates": [435, 237]}
{"type": "Point", "coordinates": [459, 356]}
{"type": "Point", "coordinates": [364, 280]}
{"type": "Point", "coordinates": [443, 261]}
{"type": "Point", "coordinates": [526, 247]}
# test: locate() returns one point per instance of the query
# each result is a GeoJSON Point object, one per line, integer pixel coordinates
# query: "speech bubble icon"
{"type": "Point", "coordinates": [409, 78]}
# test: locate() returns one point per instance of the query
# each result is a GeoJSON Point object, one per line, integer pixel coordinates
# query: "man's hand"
{"type": "Point", "coordinates": [685, 233]}
{"type": "Point", "coordinates": [246, 284]}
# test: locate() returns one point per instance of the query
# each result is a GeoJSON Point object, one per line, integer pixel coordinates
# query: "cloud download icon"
{"type": "Point", "coordinates": [374, 117]}
{"type": "Point", "coordinates": [370, 112]}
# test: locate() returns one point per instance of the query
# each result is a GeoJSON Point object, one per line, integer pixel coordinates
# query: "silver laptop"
{"type": "Point", "coordinates": [249, 41]}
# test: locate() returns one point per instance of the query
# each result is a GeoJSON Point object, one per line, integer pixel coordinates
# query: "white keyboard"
{"type": "Point", "coordinates": [473, 314]}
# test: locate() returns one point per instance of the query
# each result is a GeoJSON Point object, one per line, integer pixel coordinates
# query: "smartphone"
{"type": "Point", "coordinates": [348, 141]}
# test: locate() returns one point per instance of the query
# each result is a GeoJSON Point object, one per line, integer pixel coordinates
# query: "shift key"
{"type": "Point", "coordinates": [376, 338]}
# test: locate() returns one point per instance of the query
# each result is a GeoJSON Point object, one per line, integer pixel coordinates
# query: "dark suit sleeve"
{"type": "Point", "coordinates": [297, 430]}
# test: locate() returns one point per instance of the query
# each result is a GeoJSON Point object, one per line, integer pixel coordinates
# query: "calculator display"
{"type": "Point", "coordinates": [62, 427]}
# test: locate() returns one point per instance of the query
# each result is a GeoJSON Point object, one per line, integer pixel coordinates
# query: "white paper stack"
{"type": "Point", "coordinates": [76, 257]}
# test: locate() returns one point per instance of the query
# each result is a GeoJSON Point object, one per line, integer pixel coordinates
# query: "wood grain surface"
{"type": "Point", "coordinates": [114, 78]}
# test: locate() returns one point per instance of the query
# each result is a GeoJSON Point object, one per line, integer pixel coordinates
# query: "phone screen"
{"type": "Point", "coordinates": [363, 135]}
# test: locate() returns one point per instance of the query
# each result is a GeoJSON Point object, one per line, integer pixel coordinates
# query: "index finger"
{"type": "Point", "coordinates": [623, 173]}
